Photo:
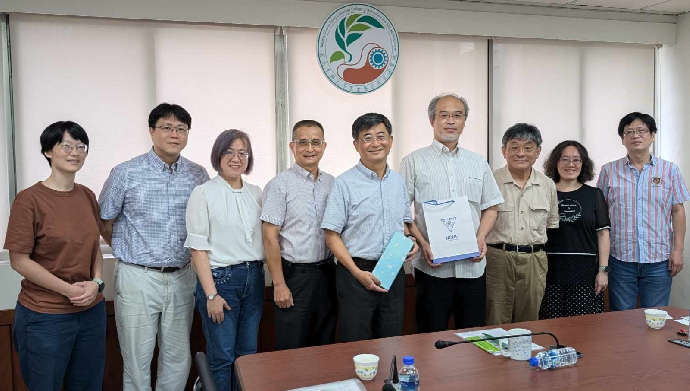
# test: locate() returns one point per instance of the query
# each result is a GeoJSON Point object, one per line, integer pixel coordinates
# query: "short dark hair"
{"type": "Point", "coordinates": [166, 110]}
{"type": "Point", "coordinates": [551, 162]}
{"type": "Point", "coordinates": [630, 118]}
{"type": "Point", "coordinates": [368, 121]}
{"type": "Point", "coordinates": [223, 143]}
{"type": "Point", "coordinates": [307, 123]}
{"type": "Point", "coordinates": [522, 131]}
{"type": "Point", "coordinates": [55, 132]}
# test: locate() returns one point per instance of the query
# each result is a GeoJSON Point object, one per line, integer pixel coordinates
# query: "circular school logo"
{"type": "Point", "coordinates": [358, 48]}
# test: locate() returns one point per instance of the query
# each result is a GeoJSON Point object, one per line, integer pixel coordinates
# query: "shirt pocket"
{"type": "Point", "coordinates": [473, 189]}
{"type": "Point", "coordinates": [538, 214]}
{"type": "Point", "coordinates": [504, 222]}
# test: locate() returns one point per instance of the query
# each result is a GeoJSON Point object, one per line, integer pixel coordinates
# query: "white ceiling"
{"type": "Point", "coordinates": [670, 7]}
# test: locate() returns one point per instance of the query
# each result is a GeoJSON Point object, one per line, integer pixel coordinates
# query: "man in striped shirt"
{"type": "Point", "coordinates": [441, 171]}
{"type": "Point", "coordinates": [301, 265]}
{"type": "Point", "coordinates": [645, 197]}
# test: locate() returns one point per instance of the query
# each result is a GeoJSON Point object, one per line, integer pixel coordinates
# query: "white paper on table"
{"type": "Point", "coordinates": [683, 321]}
{"type": "Point", "coordinates": [345, 385]}
{"type": "Point", "coordinates": [496, 332]}
{"type": "Point", "coordinates": [451, 230]}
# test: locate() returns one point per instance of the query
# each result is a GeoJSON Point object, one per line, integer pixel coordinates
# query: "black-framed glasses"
{"type": "Point", "coordinates": [68, 148]}
{"type": "Point", "coordinates": [242, 155]}
{"type": "Point", "coordinates": [179, 129]}
{"type": "Point", "coordinates": [304, 143]}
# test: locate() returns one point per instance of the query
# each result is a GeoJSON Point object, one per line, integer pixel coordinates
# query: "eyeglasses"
{"type": "Point", "coordinates": [514, 149]}
{"type": "Point", "coordinates": [456, 116]}
{"type": "Point", "coordinates": [639, 131]}
{"type": "Point", "coordinates": [566, 160]}
{"type": "Point", "coordinates": [242, 155]}
{"type": "Point", "coordinates": [168, 129]}
{"type": "Point", "coordinates": [380, 137]}
{"type": "Point", "coordinates": [68, 148]}
{"type": "Point", "coordinates": [303, 143]}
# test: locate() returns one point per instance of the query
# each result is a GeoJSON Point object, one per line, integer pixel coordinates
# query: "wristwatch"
{"type": "Point", "coordinates": [604, 269]}
{"type": "Point", "coordinates": [101, 284]}
{"type": "Point", "coordinates": [212, 296]}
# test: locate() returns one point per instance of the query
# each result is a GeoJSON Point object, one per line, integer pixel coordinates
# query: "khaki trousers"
{"type": "Point", "coordinates": [515, 285]}
{"type": "Point", "coordinates": [150, 306]}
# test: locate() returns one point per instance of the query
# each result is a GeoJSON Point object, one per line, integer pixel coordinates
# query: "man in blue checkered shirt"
{"type": "Point", "coordinates": [143, 204]}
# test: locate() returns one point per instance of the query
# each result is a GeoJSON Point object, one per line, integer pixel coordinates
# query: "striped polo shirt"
{"type": "Point", "coordinates": [296, 202]}
{"type": "Point", "coordinates": [639, 205]}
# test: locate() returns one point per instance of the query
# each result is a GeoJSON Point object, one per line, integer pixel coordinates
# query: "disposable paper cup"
{"type": "Point", "coordinates": [655, 318]}
{"type": "Point", "coordinates": [366, 366]}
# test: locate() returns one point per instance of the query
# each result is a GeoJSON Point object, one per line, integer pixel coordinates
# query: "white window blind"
{"type": "Point", "coordinates": [577, 91]}
{"type": "Point", "coordinates": [107, 75]}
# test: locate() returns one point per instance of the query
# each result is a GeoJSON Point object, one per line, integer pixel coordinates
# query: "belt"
{"type": "Point", "coordinates": [163, 269]}
{"type": "Point", "coordinates": [318, 266]}
{"type": "Point", "coordinates": [528, 248]}
{"type": "Point", "coordinates": [365, 264]}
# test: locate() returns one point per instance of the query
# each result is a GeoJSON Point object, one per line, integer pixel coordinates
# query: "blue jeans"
{"type": "Point", "coordinates": [652, 281]}
{"type": "Point", "coordinates": [59, 351]}
{"type": "Point", "coordinates": [242, 287]}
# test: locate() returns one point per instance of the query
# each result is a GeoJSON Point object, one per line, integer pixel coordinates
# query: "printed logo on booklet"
{"type": "Point", "coordinates": [358, 48]}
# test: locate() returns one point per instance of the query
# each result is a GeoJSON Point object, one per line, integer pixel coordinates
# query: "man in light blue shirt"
{"type": "Point", "coordinates": [143, 205]}
{"type": "Point", "coordinates": [367, 205]}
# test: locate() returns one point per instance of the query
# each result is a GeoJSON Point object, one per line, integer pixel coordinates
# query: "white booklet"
{"type": "Point", "coordinates": [345, 385]}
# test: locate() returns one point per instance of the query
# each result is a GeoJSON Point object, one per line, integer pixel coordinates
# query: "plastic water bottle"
{"type": "Point", "coordinates": [554, 358]}
{"type": "Point", "coordinates": [409, 375]}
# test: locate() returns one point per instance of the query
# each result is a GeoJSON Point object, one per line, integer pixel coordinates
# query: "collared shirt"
{"type": "Point", "coordinates": [526, 213]}
{"type": "Point", "coordinates": [148, 199]}
{"type": "Point", "coordinates": [225, 222]}
{"type": "Point", "coordinates": [640, 207]}
{"type": "Point", "coordinates": [435, 172]}
{"type": "Point", "coordinates": [366, 210]}
{"type": "Point", "coordinates": [295, 201]}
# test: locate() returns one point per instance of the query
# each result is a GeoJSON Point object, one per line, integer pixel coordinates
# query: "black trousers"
{"type": "Point", "coordinates": [366, 314]}
{"type": "Point", "coordinates": [311, 320]}
{"type": "Point", "coordinates": [439, 298]}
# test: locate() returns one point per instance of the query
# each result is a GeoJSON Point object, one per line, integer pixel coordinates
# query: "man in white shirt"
{"type": "Point", "coordinates": [442, 171]}
{"type": "Point", "coordinates": [301, 265]}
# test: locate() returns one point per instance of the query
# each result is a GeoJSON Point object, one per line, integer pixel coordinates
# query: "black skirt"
{"type": "Point", "coordinates": [570, 287]}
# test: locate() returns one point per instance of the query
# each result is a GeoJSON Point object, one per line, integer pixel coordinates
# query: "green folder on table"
{"type": "Point", "coordinates": [392, 259]}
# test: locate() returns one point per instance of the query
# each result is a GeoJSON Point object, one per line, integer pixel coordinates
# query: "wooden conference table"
{"type": "Point", "coordinates": [620, 353]}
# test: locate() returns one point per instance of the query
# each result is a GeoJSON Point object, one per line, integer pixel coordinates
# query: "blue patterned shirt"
{"type": "Point", "coordinates": [148, 200]}
{"type": "Point", "coordinates": [366, 210]}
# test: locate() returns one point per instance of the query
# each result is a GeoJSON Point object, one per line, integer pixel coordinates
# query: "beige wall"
{"type": "Point", "coordinates": [674, 136]}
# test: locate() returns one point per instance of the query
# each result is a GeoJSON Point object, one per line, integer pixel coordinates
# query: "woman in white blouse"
{"type": "Point", "coordinates": [224, 234]}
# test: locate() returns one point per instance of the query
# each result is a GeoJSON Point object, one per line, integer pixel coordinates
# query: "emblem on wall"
{"type": "Point", "coordinates": [358, 48]}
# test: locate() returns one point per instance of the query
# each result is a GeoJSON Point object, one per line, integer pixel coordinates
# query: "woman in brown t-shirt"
{"type": "Point", "coordinates": [53, 237]}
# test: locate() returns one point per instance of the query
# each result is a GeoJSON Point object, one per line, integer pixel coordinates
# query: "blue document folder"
{"type": "Point", "coordinates": [392, 259]}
